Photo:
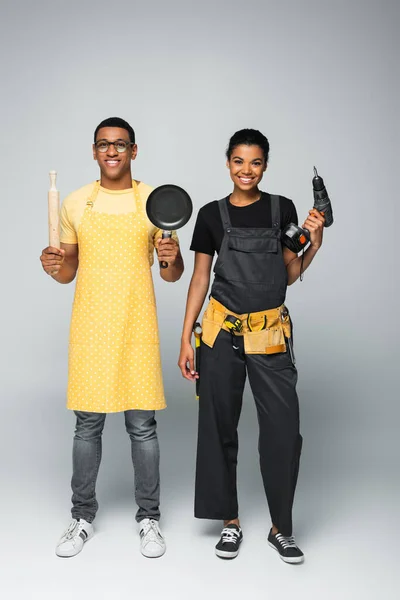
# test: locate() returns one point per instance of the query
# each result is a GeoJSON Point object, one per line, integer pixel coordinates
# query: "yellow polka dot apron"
{"type": "Point", "coordinates": [114, 352]}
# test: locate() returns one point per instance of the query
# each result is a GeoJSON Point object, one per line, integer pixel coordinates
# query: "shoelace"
{"type": "Point", "coordinates": [286, 542]}
{"type": "Point", "coordinates": [229, 536]}
{"type": "Point", "coordinates": [74, 529]}
{"type": "Point", "coordinates": [151, 530]}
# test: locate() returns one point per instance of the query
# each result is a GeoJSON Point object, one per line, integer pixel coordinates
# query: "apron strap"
{"type": "Point", "coordinates": [95, 191]}
{"type": "Point", "coordinates": [275, 211]}
{"type": "Point", "coordinates": [223, 210]}
{"type": "Point", "coordinates": [136, 191]}
{"type": "Point", "coordinates": [92, 198]}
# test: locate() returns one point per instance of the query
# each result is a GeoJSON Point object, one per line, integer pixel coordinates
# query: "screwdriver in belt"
{"type": "Point", "coordinates": [197, 330]}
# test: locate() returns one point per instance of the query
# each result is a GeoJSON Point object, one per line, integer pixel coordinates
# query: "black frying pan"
{"type": "Point", "coordinates": [169, 207]}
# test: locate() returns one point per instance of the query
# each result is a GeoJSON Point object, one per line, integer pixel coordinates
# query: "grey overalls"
{"type": "Point", "coordinates": [250, 276]}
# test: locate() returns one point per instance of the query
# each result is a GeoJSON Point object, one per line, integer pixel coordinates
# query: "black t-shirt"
{"type": "Point", "coordinates": [208, 231]}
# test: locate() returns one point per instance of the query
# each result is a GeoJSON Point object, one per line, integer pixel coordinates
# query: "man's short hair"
{"type": "Point", "coordinates": [116, 122]}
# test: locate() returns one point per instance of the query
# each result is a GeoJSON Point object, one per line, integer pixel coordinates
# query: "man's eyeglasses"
{"type": "Point", "coordinates": [119, 145]}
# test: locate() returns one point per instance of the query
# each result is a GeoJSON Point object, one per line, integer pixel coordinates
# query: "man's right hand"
{"type": "Point", "coordinates": [52, 259]}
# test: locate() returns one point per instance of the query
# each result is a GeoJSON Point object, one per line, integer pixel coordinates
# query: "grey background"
{"type": "Point", "coordinates": [320, 79]}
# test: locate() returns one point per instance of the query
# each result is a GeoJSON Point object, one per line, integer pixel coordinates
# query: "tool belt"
{"type": "Point", "coordinates": [264, 332]}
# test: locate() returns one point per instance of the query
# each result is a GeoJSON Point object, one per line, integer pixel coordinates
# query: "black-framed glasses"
{"type": "Point", "coordinates": [119, 145]}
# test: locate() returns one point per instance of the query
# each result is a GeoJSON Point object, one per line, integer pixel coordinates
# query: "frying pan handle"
{"type": "Point", "coordinates": [165, 234]}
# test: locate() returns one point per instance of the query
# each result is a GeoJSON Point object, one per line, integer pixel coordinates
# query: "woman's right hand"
{"type": "Point", "coordinates": [186, 362]}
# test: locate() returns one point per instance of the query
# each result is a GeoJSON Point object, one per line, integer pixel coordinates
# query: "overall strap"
{"type": "Point", "coordinates": [275, 211]}
{"type": "Point", "coordinates": [223, 210]}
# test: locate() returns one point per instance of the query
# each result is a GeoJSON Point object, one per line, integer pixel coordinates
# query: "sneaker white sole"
{"type": "Point", "coordinates": [223, 554]}
{"type": "Point", "coordinates": [288, 559]}
{"type": "Point", "coordinates": [156, 554]}
{"type": "Point", "coordinates": [67, 554]}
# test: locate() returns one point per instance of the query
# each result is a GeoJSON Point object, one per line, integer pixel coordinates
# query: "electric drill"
{"type": "Point", "coordinates": [295, 237]}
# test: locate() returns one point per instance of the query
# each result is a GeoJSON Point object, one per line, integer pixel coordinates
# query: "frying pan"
{"type": "Point", "coordinates": [168, 207]}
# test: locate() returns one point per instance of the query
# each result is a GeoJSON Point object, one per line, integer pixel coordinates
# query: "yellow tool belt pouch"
{"type": "Point", "coordinates": [264, 337]}
{"type": "Point", "coordinates": [212, 322]}
{"type": "Point", "coordinates": [264, 332]}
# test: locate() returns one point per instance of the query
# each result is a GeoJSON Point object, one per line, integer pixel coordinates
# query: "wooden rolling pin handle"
{"type": "Point", "coordinates": [54, 212]}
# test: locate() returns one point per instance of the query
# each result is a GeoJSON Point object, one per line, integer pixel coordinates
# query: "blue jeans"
{"type": "Point", "coordinates": [141, 427]}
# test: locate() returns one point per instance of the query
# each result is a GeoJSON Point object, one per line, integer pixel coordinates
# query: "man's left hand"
{"type": "Point", "coordinates": [168, 250]}
{"type": "Point", "coordinates": [315, 225]}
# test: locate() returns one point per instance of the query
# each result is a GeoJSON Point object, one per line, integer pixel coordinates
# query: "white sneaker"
{"type": "Point", "coordinates": [72, 540]}
{"type": "Point", "coordinates": [152, 543]}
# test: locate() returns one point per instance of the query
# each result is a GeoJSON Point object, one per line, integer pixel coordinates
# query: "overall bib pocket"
{"type": "Point", "coordinates": [257, 244]}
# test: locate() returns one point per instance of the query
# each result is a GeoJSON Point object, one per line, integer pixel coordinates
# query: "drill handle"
{"type": "Point", "coordinates": [324, 205]}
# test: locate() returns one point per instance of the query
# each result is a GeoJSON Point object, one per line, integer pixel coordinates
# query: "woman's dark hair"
{"type": "Point", "coordinates": [116, 122]}
{"type": "Point", "coordinates": [249, 137]}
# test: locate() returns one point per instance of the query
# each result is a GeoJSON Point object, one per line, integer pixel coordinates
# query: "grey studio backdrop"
{"type": "Point", "coordinates": [320, 80]}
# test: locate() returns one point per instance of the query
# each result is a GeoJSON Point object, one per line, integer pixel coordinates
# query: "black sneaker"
{"type": "Point", "coordinates": [287, 547]}
{"type": "Point", "coordinates": [228, 545]}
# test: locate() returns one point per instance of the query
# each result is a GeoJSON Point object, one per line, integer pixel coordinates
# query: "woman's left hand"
{"type": "Point", "coordinates": [315, 225]}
